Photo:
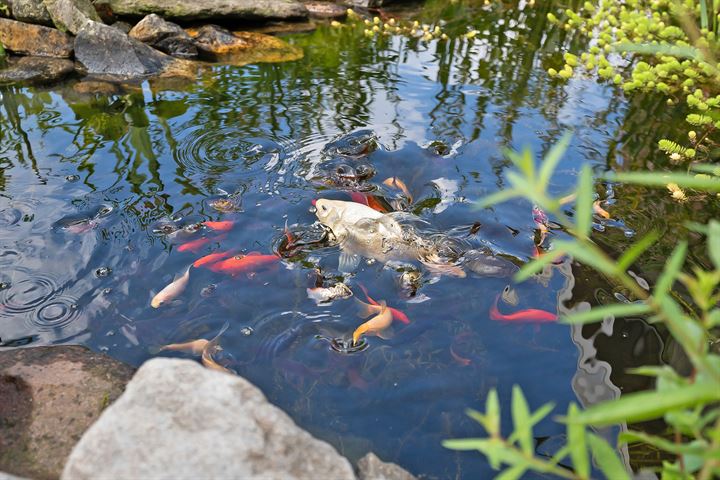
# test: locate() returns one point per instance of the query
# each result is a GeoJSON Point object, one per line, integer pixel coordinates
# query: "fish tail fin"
{"type": "Point", "coordinates": [436, 266]}
{"type": "Point", "coordinates": [365, 310]}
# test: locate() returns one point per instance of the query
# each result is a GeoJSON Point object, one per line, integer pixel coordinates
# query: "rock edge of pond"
{"type": "Point", "coordinates": [58, 401]}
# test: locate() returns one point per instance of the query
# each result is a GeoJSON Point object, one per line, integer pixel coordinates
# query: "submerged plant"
{"type": "Point", "coordinates": [689, 405]}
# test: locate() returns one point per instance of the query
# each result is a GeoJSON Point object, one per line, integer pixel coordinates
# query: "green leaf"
{"type": "Point", "coordinates": [588, 255]}
{"type": "Point", "coordinates": [541, 413]}
{"type": "Point", "coordinates": [521, 420]}
{"type": "Point", "coordinates": [537, 264]}
{"type": "Point", "coordinates": [576, 442]}
{"type": "Point", "coordinates": [583, 205]}
{"type": "Point", "coordinates": [512, 473]}
{"type": "Point", "coordinates": [632, 436]}
{"type": "Point", "coordinates": [478, 417]}
{"type": "Point", "coordinates": [665, 371]}
{"type": "Point", "coordinates": [706, 168]}
{"type": "Point", "coordinates": [464, 443]}
{"type": "Point", "coordinates": [671, 270]}
{"type": "Point", "coordinates": [492, 412]}
{"type": "Point", "coordinates": [665, 49]}
{"type": "Point", "coordinates": [714, 242]}
{"type": "Point", "coordinates": [637, 249]}
{"type": "Point", "coordinates": [708, 184]}
{"type": "Point", "coordinates": [551, 160]}
{"type": "Point", "coordinates": [607, 459]}
{"type": "Point", "coordinates": [497, 197]}
{"type": "Point", "coordinates": [688, 333]}
{"type": "Point", "coordinates": [524, 162]}
{"type": "Point", "coordinates": [599, 313]}
{"type": "Point", "coordinates": [640, 406]}
{"type": "Point", "coordinates": [703, 14]}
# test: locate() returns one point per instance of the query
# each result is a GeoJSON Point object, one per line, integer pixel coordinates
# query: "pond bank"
{"type": "Point", "coordinates": [170, 410]}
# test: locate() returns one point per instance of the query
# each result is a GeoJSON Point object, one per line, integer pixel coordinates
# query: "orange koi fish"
{"type": "Point", "coordinates": [527, 315]}
{"type": "Point", "coordinates": [289, 235]}
{"type": "Point", "coordinates": [377, 324]}
{"type": "Point", "coordinates": [194, 246]}
{"type": "Point", "coordinates": [396, 314]}
{"type": "Point", "coordinates": [369, 200]}
{"type": "Point", "coordinates": [399, 184]}
{"type": "Point", "coordinates": [196, 347]}
{"type": "Point", "coordinates": [251, 262]}
{"type": "Point", "coordinates": [219, 226]}
{"type": "Point", "coordinates": [599, 210]}
{"type": "Point", "coordinates": [212, 258]}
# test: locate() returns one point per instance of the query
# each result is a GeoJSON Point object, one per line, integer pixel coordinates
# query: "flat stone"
{"type": "Point", "coordinates": [104, 50]}
{"type": "Point", "coordinates": [50, 396]}
{"type": "Point", "coordinates": [71, 15]}
{"type": "Point", "coordinates": [325, 10]}
{"type": "Point", "coordinates": [241, 48]}
{"type": "Point", "coordinates": [34, 40]}
{"type": "Point", "coordinates": [36, 70]}
{"type": "Point", "coordinates": [166, 36]}
{"type": "Point", "coordinates": [178, 420]}
{"type": "Point", "coordinates": [31, 11]}
{"type": "Point", "coordinates": [370, 467]}
{"type": "Point", "coordinates": [187, 10]}
{"type": "Point", "coordinates": [7, 476]}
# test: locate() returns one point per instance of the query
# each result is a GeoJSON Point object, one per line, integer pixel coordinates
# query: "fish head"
{"type": "Point", "coordinates": [329, 212]}
{"type": "Point", "coordinates": [157, 301]}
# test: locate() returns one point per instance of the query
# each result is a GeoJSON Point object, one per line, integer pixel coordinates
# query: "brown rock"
{"type": "Point", "coordinates": [370, 467]}
{"type": "Point", "coordinates": [35, 70]}
{"type": "Point", "coordinates": [166, 36]}
{"type": "Point", "coordinates": [34, 40]}
{"type": "Point", "coordinates": [325, 10]}
{"type": "Point", "coordinates": [240, 48]}
{"type": "Point", "coordinates": [50, 396]}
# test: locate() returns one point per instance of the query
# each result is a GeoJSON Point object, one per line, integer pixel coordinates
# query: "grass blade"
{"type": "Point", "coordinates": [497, 197]}
{"type": "Point", "coordinates": [607, 459]}
{"type": "Point", "coordinates": [551, 160]}
{"type": "Point", "coordinates": [583, 205]}
{"type": "Point", "coordinates": [703, 14]}
{"type": "Point", "coordinates": [637, 249]}
{"type": "Point", "coordinates": [682, 179]}
{"type": "Point", "coordinates": [521, 420]}
{"type": "Point", "coordinates": [576, 443]}
{"type": "Point", "coordinates": [599, 313]}
{"type": "Point", "coordinates": [671, 270]}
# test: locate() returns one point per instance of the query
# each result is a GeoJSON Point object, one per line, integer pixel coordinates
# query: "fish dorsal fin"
{"type": "Point", "coordinates": [348, 262]}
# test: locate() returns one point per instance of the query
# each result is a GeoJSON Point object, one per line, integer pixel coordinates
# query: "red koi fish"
{"type": "Point", "coordinates": [396, 314]}
{"type": "Point", "coordinates": [527, 315]}
{"type": "Point", "coordinates": [195, 245]}
{"type": "Point", "coordinates": [289, 235]}
{"type": "Point", "coordinates": [212, 258]}
{"type": "Point", "coordinates": [462, 361]}
{"type": "Point", "coordinates": [370, 200]}
{"type": "Point", "coordinates": [219, 226]}
{"type": "Point", "coordinates": [251, 262]}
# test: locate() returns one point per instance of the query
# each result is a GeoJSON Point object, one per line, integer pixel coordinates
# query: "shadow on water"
{"type": "Point", "coordinates": [102, 196]}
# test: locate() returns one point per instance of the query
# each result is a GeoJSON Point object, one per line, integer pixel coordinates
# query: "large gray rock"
{"type": "Point", "coordinates": [38, 70]}
{"type": "Point", "coordinates": [166, 36]}
{"type": "Point", "coordinates": [211, 9]}
{"type": "Point", "coordinates": [49, 397]}
{"type": "Point", "coordinates": [71, 15]}
{"type": "Point", "coordinates": [370, 467]}
{"type": "Point", "coordinates": [35, 40]}
{"type": "Point", "coordinates": [104, 50]}
{"type": "Point", "coordinates": [178, 420]}
{"type": "Point", "coordinates": [31, 11]}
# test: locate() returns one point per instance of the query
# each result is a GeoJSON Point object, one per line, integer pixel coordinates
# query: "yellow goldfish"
{"type": "Point", "coordinates": [376, 325]}
{"type": "Point", "coordinates": [196, 347]}
{"type": "Point", "coordinates": [171, 291]}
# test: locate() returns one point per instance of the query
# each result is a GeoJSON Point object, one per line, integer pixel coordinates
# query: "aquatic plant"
{"type": "Point", "coordinates": [688, 404]}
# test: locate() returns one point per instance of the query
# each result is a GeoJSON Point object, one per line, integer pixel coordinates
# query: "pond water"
{"type": "Point", "coordinates": [94, 187]}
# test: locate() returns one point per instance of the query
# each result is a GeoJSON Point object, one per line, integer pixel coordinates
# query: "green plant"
{"type": "Point", "coordinates": [688, 405]}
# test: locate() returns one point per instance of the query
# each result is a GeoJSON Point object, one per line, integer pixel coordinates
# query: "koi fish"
{"type": "Point", "coordinates": [599, 210]}
{"type": "Point", "coordinates": [399, 184]}
{"type": "Point", "coordinates": [377, 324]}
{"type": "Point", "coordinates": [527, 315]}
{"type": "Point", "coordinates": [322, 295]}
{"type": "Point", "coordinates": [212, 258]}
{"type": "Point", "coordinates": [461, 360]}
{"type": "Point", "coordinates": [396, 314]}
{"type": "Point", "coordinates": [219, 226]}
{"type": "Point", "coordinates": [370, 200]}
{"type": "Point", "coordinates": [195, 347]}
{"type": "Point", "coordinates": [251, 262]}
{"type": "Point", "coordinates": [195, 245]}
{"type": "Point", "coordinates": [171, 291]}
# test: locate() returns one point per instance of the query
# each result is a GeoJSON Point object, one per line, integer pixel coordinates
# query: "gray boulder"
{"type": "Point", "coordinates": [178, 420]}
{"type": "Point", "coordinates": [7, 476]}
{"type": "Point", "coordinates": [37, 70]}
{"type": "Point", "coordinates": [370, 467]}
{"type": "Point", "coordinates": [166, 36]}
{"type": "Point", "coordinates": [50, 396]}
{"type": "Point", "coordinates": [71, 15]}
{"type": "Point", "coordinates": [31, 11]}
{"type": "Point", "coordinates": [104, 50]}
{"type": "Point", "coordinates": [35, 40]}
{"type": "Point", "coordinates": [185, 10]}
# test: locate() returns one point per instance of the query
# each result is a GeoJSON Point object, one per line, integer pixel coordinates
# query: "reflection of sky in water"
{"type": "Point", "coordinates": [259, 131]}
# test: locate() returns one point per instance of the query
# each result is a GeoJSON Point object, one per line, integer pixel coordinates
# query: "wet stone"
{"type": "Point", "coordinates": [50, 396]}
{"type": "Point", "coordinates": [186, 421]}
{"type": "Point", "coordinates": [370, 467]}
{"type": "Point", "coordinates": [38, 70]}
{"type": "Point", "coordinates": [31, 11]}
{"type": "Point", "coordinates": [186, 10]}
{"type": "Point", "coordinates": [166, 36]}
{"type": "Point", "coordinates": [325, 10]}
{"type": "Point", "coordinates": [34, 40]}
{"type": "Point", "coordinates": [241, 48]}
